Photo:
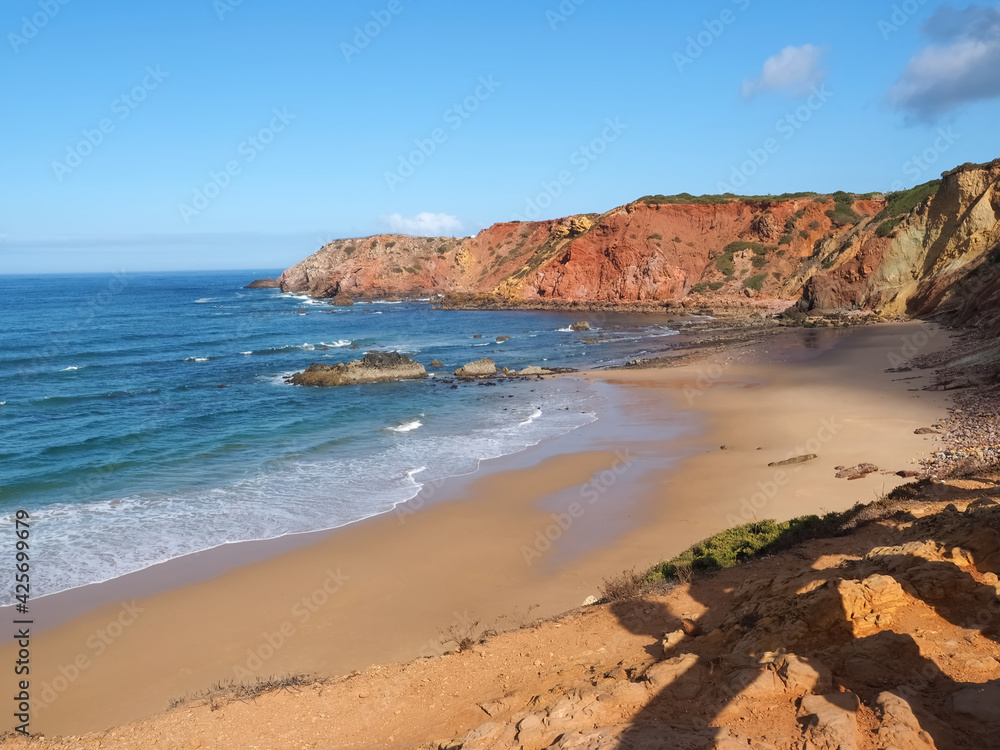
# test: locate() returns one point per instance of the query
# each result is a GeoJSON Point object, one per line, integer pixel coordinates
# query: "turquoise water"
{"type": "Point", "coordinates": [145, 416]}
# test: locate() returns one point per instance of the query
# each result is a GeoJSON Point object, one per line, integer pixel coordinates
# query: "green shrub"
{"type": "Point", "coordinates": [690, 244]}
{"type": "Point", "coordinates": [814, 225]}
{"type": "Point", "coordinates": [755, 282]}
{"type": "Point", "coordinates": [759, 261]}
{"type": "Point", "coordinates": [677, 239]}
{"type": "Point", "coordinates": [776, 275]}
{"type": "Point", "coordinates": [887, 227]}
{"type": "Point", "coordinates": [725, 264]}
{"type": "Point", "coordinates": [655, 237]}
{"type": "Point", "coordinates": [804, 234]}
{"type": "Point", "coordinates": [786, 239]}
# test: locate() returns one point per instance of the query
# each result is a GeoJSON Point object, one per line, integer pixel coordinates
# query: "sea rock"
{"type": "Point", "coordinates": [580, 325]}
{"type": "Point", "coordinates": [534, 370]}
{"type": "Point", "coordinates": [796, 460]}
{"type": "Point", "coordinates": [501, 339]}
{"type": "Point", "coordinates": [481, 368]}
{"type": "Point", "coordinates": [264, 284]}
{"type": "Point", "coordinates": [436, 363]}
{"type": "Point", "coordinates": [856, 472]}
{"type": "Point", "coordinates": [374, 367]}
{"type": "Point", "coordinates": [342, 300]}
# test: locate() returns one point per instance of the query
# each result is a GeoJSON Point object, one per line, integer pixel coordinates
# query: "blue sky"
{"type": "Point", "coordinates": [197, 134]}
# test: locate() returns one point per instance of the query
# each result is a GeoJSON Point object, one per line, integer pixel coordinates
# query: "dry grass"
{"type": "Point", "coordinates": [626, 585]}
{"type": "Point", "coordinates": [223, 693]}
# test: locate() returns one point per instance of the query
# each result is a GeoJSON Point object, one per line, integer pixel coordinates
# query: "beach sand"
{"type": "Point", "coordinates": [628, 491]}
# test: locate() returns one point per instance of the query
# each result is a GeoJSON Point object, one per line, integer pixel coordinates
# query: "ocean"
{"type": "Point", "coordinates": [145, 416]}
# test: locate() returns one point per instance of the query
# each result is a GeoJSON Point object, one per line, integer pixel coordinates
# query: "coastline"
{"type": "Point", "coordinates": [396, 585]}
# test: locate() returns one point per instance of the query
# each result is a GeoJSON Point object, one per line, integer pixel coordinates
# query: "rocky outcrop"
{"type": "Point", "coordinates": [929, 249]}
{"type": "Point", "coordinates": [374, 367]}
{"type": "Point", "coordinates": [264, 284]}
{"type": "Point", "coordinates": [481, 368]}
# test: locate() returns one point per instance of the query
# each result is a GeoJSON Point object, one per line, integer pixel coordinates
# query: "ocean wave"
{"type": "Point", "coordinates": [407, 426]}
{"type": "Point", "coordinates": [69, 369]}
{"type": "Point", "coordinates": [535, 415]}
{"type": "Point", "coordinates": [246, 353]}
{"type": "Point", "coordinates": [196, 359]}
{"type": "Point", "coordinates": [306, 491]}
{"type": "Point", "coordinates": [203, 300]}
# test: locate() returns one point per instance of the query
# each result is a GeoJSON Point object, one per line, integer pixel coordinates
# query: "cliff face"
{"type": "Point", "coordinates": [906, 253]}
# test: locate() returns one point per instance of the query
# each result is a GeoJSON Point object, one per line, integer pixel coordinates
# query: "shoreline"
{"type": "Point", "coordinates": [410, 581]}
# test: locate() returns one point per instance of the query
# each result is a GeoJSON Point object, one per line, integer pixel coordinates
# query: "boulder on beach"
{"type": "Point", "coordinates": [534, 370]}
{"type": "Point", "coordinates": [264, 284]}
{"type": "Point", "coordinates": [374, 367]}
{"type": "Point", "coordinates": [481, 368]}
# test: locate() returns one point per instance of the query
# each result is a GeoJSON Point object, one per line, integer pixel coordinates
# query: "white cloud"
{"type": "Point", "coordinates": [961, 65]}
{"type": "Point", "coordinates": [424, 224]}
{"type": "Point", "coordinates": [794, 70]}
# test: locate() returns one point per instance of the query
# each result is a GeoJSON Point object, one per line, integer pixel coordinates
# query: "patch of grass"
{"type": "Point", "coordinates": [814, 225]}
{"type": "Point", "coordinates": [786, 239]}
{"type": "Point", "coordinates": [656, 236]}
{"type": "Point", "coordinates": [725, 264]}
{"type": "Point", "coordinates": [780, 253]}
{"type": "Point", "coordinates": [687, 198]}
{"type": "Point", "coordinates": [349, 250]}
{"type": "Point", "coordinates": [902, 203]}
{"type": "Point", "coordinates": [776, 275]}
{"type": "Point", "coordinates": [716, 285]}
{"type": "Point", "coordinates": [888, 227]}
{"type": "Point", "coordinates": [690, 244]}
{"type": "Point", "coordinates": [442, 249]}
{"type": "Point", "coordinates": [804, 234]}
{"type": "Point", "coordinates": [677, 240]}
{"type": "Point", "coordinates": [762, 538]}
{"type": "Point", "coordinates": [397, 269]}
{"type": "Point", "coordinates": [759, 261]}
{"type": "Point", "coordinates": [755, 282]}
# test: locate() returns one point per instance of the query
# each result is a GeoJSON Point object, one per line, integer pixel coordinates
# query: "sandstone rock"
{"type": "Point", "coordinates": [590, 600]}
{"type": "Point", "coordinates": [982, 702]}
{"type": "Point", "coordinates": [796, 460]}
{"type": "Point", "coordinates": [436, 363]}
{"type": "Point", "coordinates": [804, 674]}
{"type": "Point", "coordinates": [672, 639]}
{"type": "Point", "coordinates": [374, 367]}
{"type": "Point", "coordinates": [682, 676]}
{"type": "Point", "coordinates": [899, 727]}
{"type": "Point", "coordinates": [580, 325]}
{"type": "Point", "coordinates": [534, 370]}
{"type": "Point", "coordinates": [926, 431]}
{"type": "Point", "coordinates": [481, 368]}
{"type": "Point", "coordinates": [831, 720]}
{"type": "Point", "coordinates": [758, 683]}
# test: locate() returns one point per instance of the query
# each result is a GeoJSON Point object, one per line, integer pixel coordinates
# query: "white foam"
{"type": "Point", "coordinates": [336, 344]}
{"type": "Point", "coordinates": [535, 415]}
{"type": "Point", "coordinates": [246, 353]}
{"type": "Point", "coordinates": [67, 369]}
{"type": "Point", "coordinates": [203, 300]}
{"type": "Point", "coordinates": [416, 424]}
{"type": "Point", "coordinates": [196, 359]}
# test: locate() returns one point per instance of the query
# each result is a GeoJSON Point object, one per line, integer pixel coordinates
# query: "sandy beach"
{"type": "Point", "coordinates": [682, 453]}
